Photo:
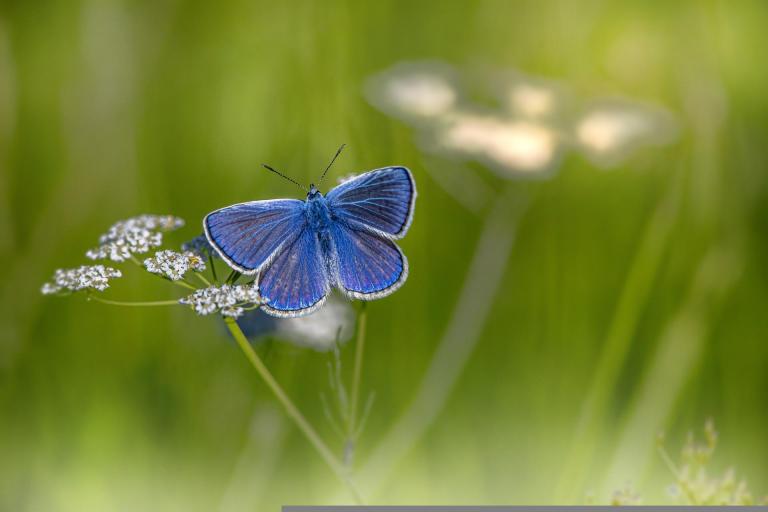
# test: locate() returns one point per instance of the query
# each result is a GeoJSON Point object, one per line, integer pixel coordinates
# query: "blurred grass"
{"type": "Point", "coordinates": [109, 109]}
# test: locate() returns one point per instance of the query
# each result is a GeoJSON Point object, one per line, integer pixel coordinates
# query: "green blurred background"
{"type": "Point", "coordinates": [633, 301]}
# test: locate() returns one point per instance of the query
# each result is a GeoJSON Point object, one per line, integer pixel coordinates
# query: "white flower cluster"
{"type": "Point", "coordinates": [226, 299]}
{"type": "Point", "coordinates": [174, 265]}
{"type": "Point", "coordinates": [694, 483]}
{"type": "Point", "coordinates": [136, 235]}
{"type": "Point", "coordinates": [95, 277]}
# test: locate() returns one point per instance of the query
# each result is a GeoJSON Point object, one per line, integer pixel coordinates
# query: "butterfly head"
{"type": "Point", "coordinates": [313, 192]}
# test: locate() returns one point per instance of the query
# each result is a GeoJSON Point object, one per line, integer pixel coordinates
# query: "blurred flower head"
{"type": "Point", "coordinates": [507, 146]}
{"type": "Point", "coordinates": [521, 134]}
{"type": "Point", "coordinates": [229, 300]}
{"type": "Point", "coordinates": [416, 92]}
{"type": "Point", "coordinates": [321, 330]}
{"type": "Point", "coordinates": [609, 131]}
{"type": "Point", "coordinates": [173, 265]}
{"type": "Point", "coordinates": [136, 235]}
{"type": "Point", "coordinates": [530, 97]}
{"type": "Point", "coordinates": [693, 483]}
{"type": "Point", "coordinates": [85, 277]}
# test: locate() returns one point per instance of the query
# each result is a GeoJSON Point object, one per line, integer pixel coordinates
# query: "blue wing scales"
{"type": "Point", "coordinates": [380, 200]}
{"type": "Point", "coordinates": [249, 235]}
{"type": "Point", "coordinates": [296, 283]}
{"type": "Point", "coordinates": [368, 266]}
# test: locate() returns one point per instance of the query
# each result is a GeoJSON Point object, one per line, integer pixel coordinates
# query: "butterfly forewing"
{"type": "Point", "coordinates": [380, 200]}
{"type": "Point", "coordinates": [249, 235]}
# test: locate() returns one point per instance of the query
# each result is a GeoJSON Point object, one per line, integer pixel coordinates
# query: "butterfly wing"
{"type": "Point", "coordinates": [381, 201]}
{"type": "Point", "coordinates": [250, 235]}
{"type": "Point", "coordinates": [368, 265]}
{"type": "Point", "coordinates": [296, 283]}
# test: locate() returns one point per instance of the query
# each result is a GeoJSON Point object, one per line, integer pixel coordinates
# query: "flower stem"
{"type": "Point", "coordinates": [130, 303]}
{"type": "Point", "coordinates": [213, 267]}
{"type": "Point", "coordinates": [184, 284]}
{"type": "Point", "coordinates": [358, 369]}
{"type": "Point", "coordinates": [202, 278]}
{"type": "Point", "coordinates": [301, 422]}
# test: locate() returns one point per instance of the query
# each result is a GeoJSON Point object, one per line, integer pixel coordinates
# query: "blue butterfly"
{"type": "Point", "coordinates": [302, 249]}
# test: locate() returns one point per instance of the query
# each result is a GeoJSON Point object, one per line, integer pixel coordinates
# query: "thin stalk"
{"type": "Point", "coordinates": [293, 412]}
{"type": "Point", "coordinates": [184, 284]}
{"type": "Point", "coordinates": [213, 267]}
{"type": "Point", "coordinates": [130, 303]}
{"type": "Point", "coordinates": [358, 370]}
{"type": "Point", "coordinates": [202, 278]}
{"type": "Point", "coordinates": [233, 277]}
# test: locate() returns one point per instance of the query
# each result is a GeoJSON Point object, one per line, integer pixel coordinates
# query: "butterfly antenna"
{"type": "Point", "coordinates": [302, 187]}
{"type": "Point", "coordinates": [338, 152]}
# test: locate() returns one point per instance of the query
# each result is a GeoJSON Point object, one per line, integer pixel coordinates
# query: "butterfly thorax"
{"type": "Point", "coordinates": [318, 214]}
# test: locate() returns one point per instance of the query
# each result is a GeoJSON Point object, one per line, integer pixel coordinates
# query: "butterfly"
{"type": "Point", "coordinates": [300, 250]}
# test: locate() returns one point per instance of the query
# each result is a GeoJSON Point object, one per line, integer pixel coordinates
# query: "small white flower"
{"type": "Point", "coordinates": [174, 265]}
{"type": "Point", "coordinates": [136, 235]}
{"type": "Point", "coordinates": [232, 311]}
{"type": "Point", "coordinates": [226, 299]}
{"type": "Point", "coordinates": [94, 277]}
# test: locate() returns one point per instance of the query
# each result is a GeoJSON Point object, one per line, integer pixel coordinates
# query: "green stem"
{"type": "Point", "coordinates": [129, 303]}
{"type": "Point", "coordinates": [293, 412]}
{"type": "Point", "coordinates": [233, 276]}
{"type": "Point", "coordinates": [358, 369]}
{"type": "Point", "coordinates": [213, 267]}
{"type": "Point", "coordinates": [184, 284]}
{"type": "Point", "coordinates": [202, 278]}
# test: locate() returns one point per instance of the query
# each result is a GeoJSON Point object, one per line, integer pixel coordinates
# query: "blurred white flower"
{"type": "Point", "coordinates": [516, 124]}
{"type": "Point", "coordinates": [136, 235]}
{"type": "Point", "coordinates": [174, 265]}
{"type": "Point", "coordinates": [345, 178]}
{"type": "Point", "coordinates": [511, 146]}
{"type": "Point", "coordinates": [333, 322]}
{"type": "Point", "coordinates": [93, 277]}
{"type": "Point", "coordinates": [531, 100]}
{"type": "Point", "coordinates": [693, 483]}
{"type": "Point", "coordinates": [414, 91]}
{"type": "Point", "coordinates": [610, 130]}
{"type": "Point", "coordinates": [228, 300]}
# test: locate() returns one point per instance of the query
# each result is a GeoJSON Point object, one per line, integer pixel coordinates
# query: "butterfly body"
{"type": "Point", "coordinates": [300, 250]}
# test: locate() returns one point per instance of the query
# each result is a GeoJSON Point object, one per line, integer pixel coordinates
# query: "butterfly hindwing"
{"type": "Point", "coordinates": [249, 235]}
{"type": "Point", "coordinates": [368, 266]}
{"type": "Point", "coordinates": [296, 282]}
{"type": "Point", "coordinates": [380, 200]}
